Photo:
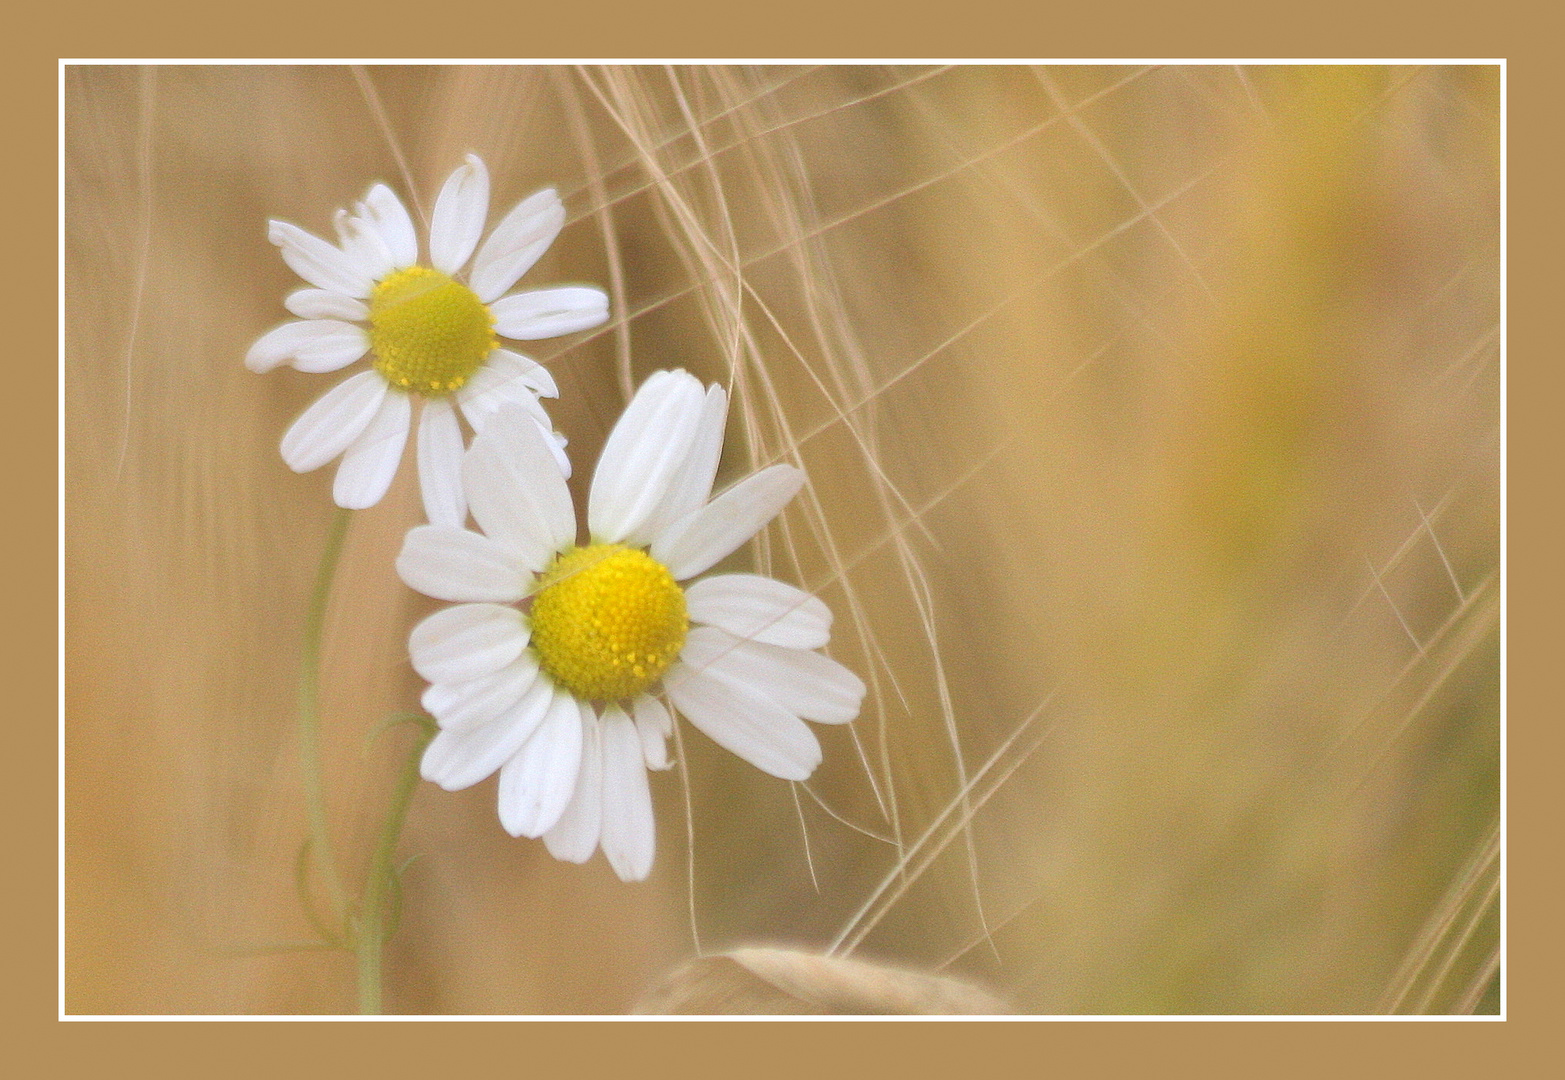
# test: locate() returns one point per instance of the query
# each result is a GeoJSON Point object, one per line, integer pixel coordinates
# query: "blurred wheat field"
{"type": "Point", "coordinates": [1152, 421]}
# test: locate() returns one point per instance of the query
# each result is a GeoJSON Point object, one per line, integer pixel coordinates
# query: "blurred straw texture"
{"type": "Point", "coordinates": [1152, 421]}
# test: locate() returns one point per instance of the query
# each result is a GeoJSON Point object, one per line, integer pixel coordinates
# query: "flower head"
{"type": "Point", "coordinates": [552, 667]}
{"type": "Point", "coordinates": [433, 331]}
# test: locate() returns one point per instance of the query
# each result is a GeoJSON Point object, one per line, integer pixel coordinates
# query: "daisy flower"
{"type": "Point", "coordinates": [550, 667]}
{"type": "Point", "coordinates": [433, 330]}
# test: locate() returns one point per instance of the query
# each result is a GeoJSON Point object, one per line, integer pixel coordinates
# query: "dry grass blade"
{"type": "Point", "coordinates": [1480, 985]}
{"type": "Point", "coordinates": [781, 982]}
{"type": "Point", "coordinates": [1105, 380]}
{"type": "Point", "coordinates": [1481, 872]}
{"type": "Point", "coordinates": [923, 852]}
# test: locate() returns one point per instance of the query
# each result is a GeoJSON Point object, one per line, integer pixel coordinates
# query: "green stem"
{"type": "Point", "coordinates": [310, 715]}
{"type": "Point", "coordinates": [369, 938]}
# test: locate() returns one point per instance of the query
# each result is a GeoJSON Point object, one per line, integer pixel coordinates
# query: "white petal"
{"type": "Point", "coordinates": [547, 313]}
{"type": "Point", "coordinates": [698, 540]}
{"type": "Point", "coordinates": [459, 216]}
{"type": "Point", "coordinates": [516, 492]}
{"type": "Point", "coordinates": [370, 463]}
{"type": "Point", "coordinates": [335, 420]}
{"type": "Point", "coordinates": [575, 836]}
{"type": "Point", "coordinates": [482, 402]}
{"type": "Point", "coordinates": [761, 609]}
{"type": "Point", "coordinates": [333, 351]}
{"type": "Point", "coordinates": [468, 641]}
{"type": "Point", "coordinates": [461, 566]}
{"type": "Point", "coordinates": [628, 831]}
{"type": "Point", "coordinates": [362, 243]}
{"type": "Point", "coordinates": [486, 698]}
{"type": "Point", "coordinates": [538, 782]}
{"type": "Point", "coordinates": [505, 365]}
{"type": "Point", "coordinates": [494, 386]}
{"type": "Point", "coordinates": [323, 304]}
{"type": "Point", "coordinates": [642, 455]}
{"type": "Point", "coordinates": [691, 485]}
{"type": "Point", "coordinates": [743, 722]}
{"type": "Point", "coordinates": [316, 345]}
{"type": "Point", "coordinates": [807, 684]}
{"type": "Point", "coordinates": [460, 757]}
{"type": "Point", "coordinates": [556, 444]}
{"type": "Point", "coordinates": [516, 243]}
{"type": "Point", "coordinates": [321, 264]}
{"type": "Point", "coordinates": [440, 464]}
{"type": "Point", "coordinates": [382, 209]}
{"type": "Point", "coordinates": [654, 726]}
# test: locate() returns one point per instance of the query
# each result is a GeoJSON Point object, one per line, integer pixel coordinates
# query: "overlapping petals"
{"type": "Point", "coordinates": [375, 239]}
{"type": "Point", "coordinates": [748, 675]}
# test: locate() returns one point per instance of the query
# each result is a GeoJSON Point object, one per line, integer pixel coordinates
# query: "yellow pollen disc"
{"type": "Point", "coordinates": [429, 332]}
{"type": "Point", "coordinates": [607, 621]}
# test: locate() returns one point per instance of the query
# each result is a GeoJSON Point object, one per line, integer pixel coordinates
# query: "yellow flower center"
{"type": "Point", "coordinates": [429, 333]}
{"type": "Point", "coordinates": [607, 621]}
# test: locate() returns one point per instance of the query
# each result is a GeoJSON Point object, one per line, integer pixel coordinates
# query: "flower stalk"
{"type": "Point", "coordinates": [371, 931]}
{"type": "Point", "coordinates": [321, 851]}
{"type": "Point", "coordinates": [365, 929]}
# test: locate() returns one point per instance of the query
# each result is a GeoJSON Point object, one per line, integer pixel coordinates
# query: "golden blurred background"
{"type": "Point", "coordinates": [1152, 420]}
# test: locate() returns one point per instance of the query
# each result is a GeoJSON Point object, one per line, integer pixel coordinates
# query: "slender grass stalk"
{"type": "Point", "coordinates": [310, 715]}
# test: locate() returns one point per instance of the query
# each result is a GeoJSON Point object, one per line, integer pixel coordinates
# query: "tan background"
{"type": "Point", "coordinates": [1125, 392]}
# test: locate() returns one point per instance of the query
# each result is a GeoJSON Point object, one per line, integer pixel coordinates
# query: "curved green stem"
{"type": "Point", "coordinates": [310, 715]}
{"type": "Point", "coordinates": [365, 929]}
{"type": "Point", "coordinates": [370, 934]}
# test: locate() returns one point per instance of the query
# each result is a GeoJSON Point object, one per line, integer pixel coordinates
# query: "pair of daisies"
{"type": "Point", "coordinates": [553, 667]}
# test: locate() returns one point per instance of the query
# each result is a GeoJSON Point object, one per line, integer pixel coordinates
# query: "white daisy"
{"type": "Point", "coordinates": [560, 694]}
{"type": "Point", "coordinates": [431, 328]}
